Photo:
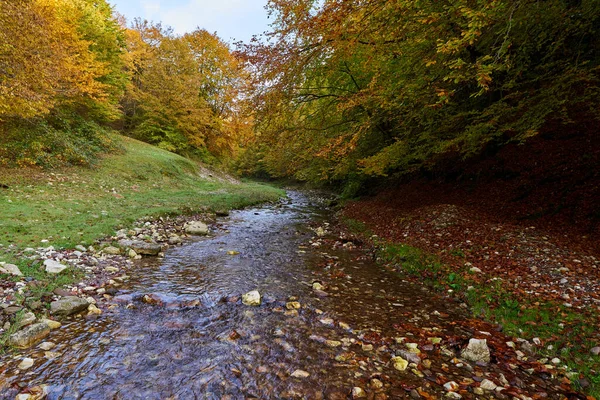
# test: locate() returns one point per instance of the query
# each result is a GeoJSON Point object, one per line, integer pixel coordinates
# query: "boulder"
{"type": "Point", "coordinates": [29, 336]}
{"type": "Point", "coordinates": [54, 267]}
{"type": "Point", "coordinates": [251, 298]}
{"type": "Point", "coordinates": [477, 350]}
{"type": "Point", "coordinates": [26, 319]}
{"type": "Point", "coordinates": [10, 269]}
{"type": "Point", "coordinates": [51, 323]}
{"type": "Point", "coordinates": [196, 228]}
{"type": "Point", "coordinates": [141, 247]}
{"type": "Point", "coordinates": [111, 250]}
{"type": "Point", "coordinates": [68, 306]}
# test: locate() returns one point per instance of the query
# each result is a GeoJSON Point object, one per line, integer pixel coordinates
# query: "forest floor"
{"type": "Point", "coordinates": [538, 279]}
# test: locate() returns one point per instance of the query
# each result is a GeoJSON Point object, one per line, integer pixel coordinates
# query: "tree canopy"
{"type": "Point", "coordinates": [345, 90]}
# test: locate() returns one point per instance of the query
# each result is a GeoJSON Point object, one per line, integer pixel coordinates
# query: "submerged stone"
{"type": "Point", "coordinates": [251, 298]}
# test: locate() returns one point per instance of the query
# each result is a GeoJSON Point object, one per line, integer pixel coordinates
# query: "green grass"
{"type": "Point", "coordinates": [78, 206]}
{"type": "Point", "coordinates": [569, 331]}
{"type": "Point", "coordinates": [64, 208]}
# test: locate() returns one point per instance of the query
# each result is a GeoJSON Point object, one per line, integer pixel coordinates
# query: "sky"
{"type": "Point", "coordinates": [232, 20]}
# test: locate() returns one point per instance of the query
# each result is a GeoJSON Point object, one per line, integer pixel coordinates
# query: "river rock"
{"type": "Point", "coordinates": [141, 247]}
{"type": "Point", "coordinates": [29, 336]}
{"type": "Point", "coordinates": [93, 310]}
{"type": "Point", "coordinates": [27, 319]}
{"type": "Point", "coordinates": [595, 350]}
{"type": "Point", "coordinates": [26, 364]}
{"type": "Point", "coordinates": [300, 374]}
{"type": "Point", "coordinates": [68, 306]}
{"type": "Point", "coordinates": [11, 310]}
{"type": "Point", "coordinates": [358, 393]}
{"type": "Point", "coordinates": [174, 239]}
{"type": "Point", "coordinates": [10, 269]}
{"type": "Point", "coordinates": [486, 384]}
{"type": "Point", "coordinates": [111, 250]}
{"type": "Point", "coordinates": [196, 228]}
{"type": "Point", "coordinates": [477, 350]}
{"type": "Point", "coordinates": [399, 363]}
{"type": "Point", "coordinates": [51, 323]}
{"type": "Point", "coordinates": [47, 346]}
{"type": "Point", "coordinates": [54, 267]}
{"type": "Point", "coordinates": [251, 298]}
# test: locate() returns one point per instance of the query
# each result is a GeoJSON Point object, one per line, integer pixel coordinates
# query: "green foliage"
{"type": "Point", "coordinates": [61, 138]}
{"type": "Point", "coordinates": [75, 206]}
{"type": "Point", "coordinates": [390, 87]}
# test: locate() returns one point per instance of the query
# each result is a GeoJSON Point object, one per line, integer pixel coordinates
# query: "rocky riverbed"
{"type": "Point", "coordinates": [274, 303]}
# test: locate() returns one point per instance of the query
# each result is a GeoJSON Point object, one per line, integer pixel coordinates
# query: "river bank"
{"type": "Point", "coordinates": [57, 229]}
{"type": "Point", "coordinates": [330, 324]}
{"type": "Point", "coordinates": [536, 282]}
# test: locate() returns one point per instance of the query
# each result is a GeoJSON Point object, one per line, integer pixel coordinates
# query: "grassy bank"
{"type": "Point", "coordinates": [566, 333]}
{"type": "Point", "coordinates": [77, 206]}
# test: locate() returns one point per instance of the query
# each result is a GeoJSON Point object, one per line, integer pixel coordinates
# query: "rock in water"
{"type": "Point", "coordinates": [26, 364]}
{"type": "Point", "coordinates": [10, 269]}
{"type": "Point", "coordinates": [196, 228]}
{"type": "Point", "coordinates": [477, 350]}
{"type": "Point", "coordinates": [51, 323]}
{"type": "Point", "coordinates": [300, 374]}
{"type": "Point", "coordinates": [68, 306]}
{"type": "Point", "coordinates": [54, 267]}
{"type": "Point", "coordinates": [251, 298]}
{"type": "Point", "coordinates": [29, 336]}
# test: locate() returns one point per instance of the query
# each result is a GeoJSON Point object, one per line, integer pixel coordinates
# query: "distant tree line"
{"type": "Point", "coordinates": [71, 71]}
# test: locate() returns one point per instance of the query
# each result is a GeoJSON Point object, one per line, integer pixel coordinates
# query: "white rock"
{"type": "Point", "coordinates": [54, 267]}
{"type": "Point", "coordinates": [251, 298]}
{"type": "Point", "coordinates": [196, 228]}
{"type": "Point", "coordinates": [451, 386]}
{"type": "Point", "coordinates": [10, 269]}
{"type": "Point", "coordinates": [486, 384]}
{"type": "Point", "coordinates": [358, 393]}
{"type": "Point", "coordinates": [26, 364]}
{"type": "Point", "coordinates": [477, 350]}
{"type": "Point", "coordinates": [475, 270]}
{"type": "Point", "coordinates": [46, 346]}
{"type": "Point", "coordinates": [300, 374]}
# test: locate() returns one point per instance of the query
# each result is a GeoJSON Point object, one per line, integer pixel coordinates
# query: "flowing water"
{"type": "Point", "coordinates": [200, 342]}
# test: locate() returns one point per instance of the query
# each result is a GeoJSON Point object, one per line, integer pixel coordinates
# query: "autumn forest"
{"type": "Point", "coordinates": [442, 214]}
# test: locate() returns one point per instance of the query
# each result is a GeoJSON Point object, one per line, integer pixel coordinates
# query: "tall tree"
{"type": "Point", "coordinates": [348, 89]}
